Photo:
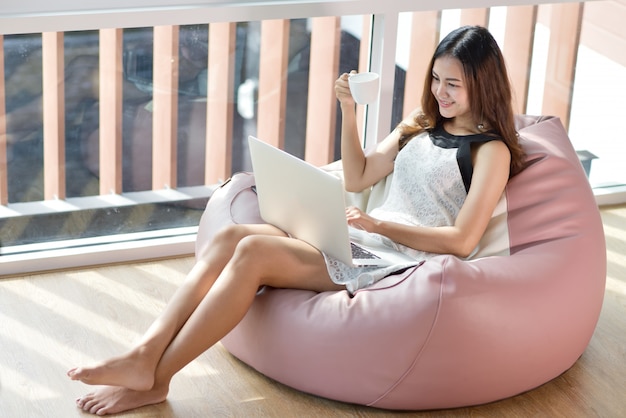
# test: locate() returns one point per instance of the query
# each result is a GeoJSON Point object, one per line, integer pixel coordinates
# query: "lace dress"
{"type": "Point", "coordinates": [429, 185]}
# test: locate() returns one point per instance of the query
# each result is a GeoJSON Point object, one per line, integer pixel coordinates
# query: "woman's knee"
{"type": "Point", "coordinates": [257, 254]}
{"type": "Point", "coordinates": [229, 233]}
{"type": "Point", "coordinates": [236, 232]}
{"type": "Point", "coordinates": [253, 247]}
{"type": "Point", "coordinates": [280, 262]}
{"type": "Point", "coordinates": [223, 243]}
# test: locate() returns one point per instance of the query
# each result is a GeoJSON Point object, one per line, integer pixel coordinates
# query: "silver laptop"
{"type": "Point", "coordinates": [308, 203]}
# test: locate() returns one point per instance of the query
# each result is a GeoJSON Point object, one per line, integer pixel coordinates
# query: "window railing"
{"type": "Point", "coordinates": [165, 166]}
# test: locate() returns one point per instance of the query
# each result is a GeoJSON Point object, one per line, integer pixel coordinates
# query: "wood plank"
{"type": "Point", "coordinates": [565, 24]}
{"type": "Point", "coordinates": [477, 16]}
{"type": "Point", "coordinates": [425, 28]}
{"type": "Point", "coordinates": [518, 51]}
{"type": "Point", "coordinates": [603, 29]}
{"type": "Point", "coordinates": [51, 322]}
{"type": "Point", "coordinates": [165, 109]}
{"type": "Point", "coordinates": [220, 102]}
{"type": "Point", "coordinates": [4, 180]}
{"type": "Point", "coordinates": [323, 70]}
{"type": "Point", "coordinates": [364, 66]}
{"type": "Point", "coordinates": [111, 101]}
{"type": "Point", "coordinates": [53, 115]}
{"type": "Point", "coordinates": [365, 44]}
{"type": "Point", "coordinates": [273, 81]}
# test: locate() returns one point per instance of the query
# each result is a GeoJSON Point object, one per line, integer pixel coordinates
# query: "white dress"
{"type": "Point", "coordinates": [428, 189]}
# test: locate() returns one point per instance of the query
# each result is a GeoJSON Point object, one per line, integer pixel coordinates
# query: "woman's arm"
{"type": "Point", "coordinates": [491, 173]}
{"type": "Point", "coordinates": [361, 170]}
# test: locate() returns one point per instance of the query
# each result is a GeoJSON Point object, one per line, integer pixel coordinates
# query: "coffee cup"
{"type": "Point", "coordinates": [364, 87]}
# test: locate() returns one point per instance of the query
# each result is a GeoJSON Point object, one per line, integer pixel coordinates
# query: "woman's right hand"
{"type": "Point", "coordinates": [342, 89]}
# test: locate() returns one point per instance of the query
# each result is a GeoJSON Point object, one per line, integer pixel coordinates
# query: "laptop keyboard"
{"type": "Point", "coordinates": [361, 253]}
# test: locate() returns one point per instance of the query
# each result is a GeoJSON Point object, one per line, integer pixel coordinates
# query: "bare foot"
{"type": "Point", "coordinates": [131, 371]}
{"type": "Point", "coordinates": [113, 399]}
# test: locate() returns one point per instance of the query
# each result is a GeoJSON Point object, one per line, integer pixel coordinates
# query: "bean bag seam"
{"type": "Point", "coordinates": [425, 344]}
{"type": "Point", "coordinates": [376, 288]}
{"type": "Point", "coordinates": [508, 218]}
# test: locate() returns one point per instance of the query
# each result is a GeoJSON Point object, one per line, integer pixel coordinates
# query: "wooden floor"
{"type": "Point", "coordinates": [53, 321]}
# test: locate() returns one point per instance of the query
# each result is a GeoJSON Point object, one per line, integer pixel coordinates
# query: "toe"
{"type": "Point", "coordinates": [75, 373]}
{"type": "Point", "coordinates": [92, 406]}
{"type": "Point", "coordinates": [86, 397]}
{"type": "Point", "coordinates": [88, 403]}
{"type": "Point", "coordinates": [101, 411]}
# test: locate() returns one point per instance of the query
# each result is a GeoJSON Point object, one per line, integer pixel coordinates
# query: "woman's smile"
{"type": "Point", "coordinates": [445, 103]}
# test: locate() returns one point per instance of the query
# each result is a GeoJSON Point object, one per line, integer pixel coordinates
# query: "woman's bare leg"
{"type": "Point", "coordinates": [258, 260]}
{"type": "Point", "coordinates": [135, 369]}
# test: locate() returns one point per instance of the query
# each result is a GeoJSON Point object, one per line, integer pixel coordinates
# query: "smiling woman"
{"type": "Point", "coordinates": [31, 306]}
{"type": "Point", "coordinates": [462, 325]}
{"type": "Point", "coordinates": [448, 87]}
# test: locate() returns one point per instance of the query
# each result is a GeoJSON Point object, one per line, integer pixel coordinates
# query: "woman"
{"type": "Point", "coordinates": [451, 162]}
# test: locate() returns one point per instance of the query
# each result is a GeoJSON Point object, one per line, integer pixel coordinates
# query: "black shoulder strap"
{"type": "Point", "coordinates": [464, 160]}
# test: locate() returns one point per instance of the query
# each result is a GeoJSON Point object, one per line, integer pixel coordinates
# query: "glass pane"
{"type": "Point", "coordinates": [81, 51]}
{"type": "Point", "coordinates": [599, 85]}
{"type": "Point", "coordinates": [596, 126]}
{"type": "Point", "coordinates": [248, 51]}
{"type": "Point", "coordinates": [23, 86]}
{"type": "Point", "coordinates": [23, 61]}
{"type": "Point", "coordinates": [23, 76]}
{"type": "Point", "coordinates": [137, 114]}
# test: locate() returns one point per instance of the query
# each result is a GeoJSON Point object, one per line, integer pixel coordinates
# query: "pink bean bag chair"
{"type": "Point", "coordinates": [450, 332]}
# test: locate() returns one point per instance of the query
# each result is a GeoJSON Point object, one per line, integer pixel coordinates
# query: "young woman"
{"type": "Point", "coordinates": [451, 161]}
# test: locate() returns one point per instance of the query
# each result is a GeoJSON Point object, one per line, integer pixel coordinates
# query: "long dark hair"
{"type": "Point", "coordinates": [488, 89]}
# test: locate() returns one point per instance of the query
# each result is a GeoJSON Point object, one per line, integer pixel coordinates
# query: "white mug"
{"type": "Point", "coordinates": [364, 87]}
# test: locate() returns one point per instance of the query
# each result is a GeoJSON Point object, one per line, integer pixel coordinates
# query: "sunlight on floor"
{"type": "Point", "coordinates": [75, 318]}
{"type": "Point", "coordinates": [614, 222]}
{"type": "Point", "coordinates": [25, 388]}
{"type": "Point", "coordinates": [75, 315]}
{"type": "Point", "coordinates": [616, 285]}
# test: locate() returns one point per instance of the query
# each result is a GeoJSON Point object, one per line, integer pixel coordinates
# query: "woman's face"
{"type": "Point", "coordinates": [450, 90]}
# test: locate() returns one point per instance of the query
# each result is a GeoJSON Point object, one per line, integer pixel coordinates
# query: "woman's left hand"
{"type": "Point", "coordinates": [342, 89]}
{"type": "Point", "coordinates": [360, 220]}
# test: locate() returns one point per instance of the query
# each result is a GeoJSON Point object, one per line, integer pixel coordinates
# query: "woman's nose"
{"type": "Point", "coordinates": [441, 90]}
